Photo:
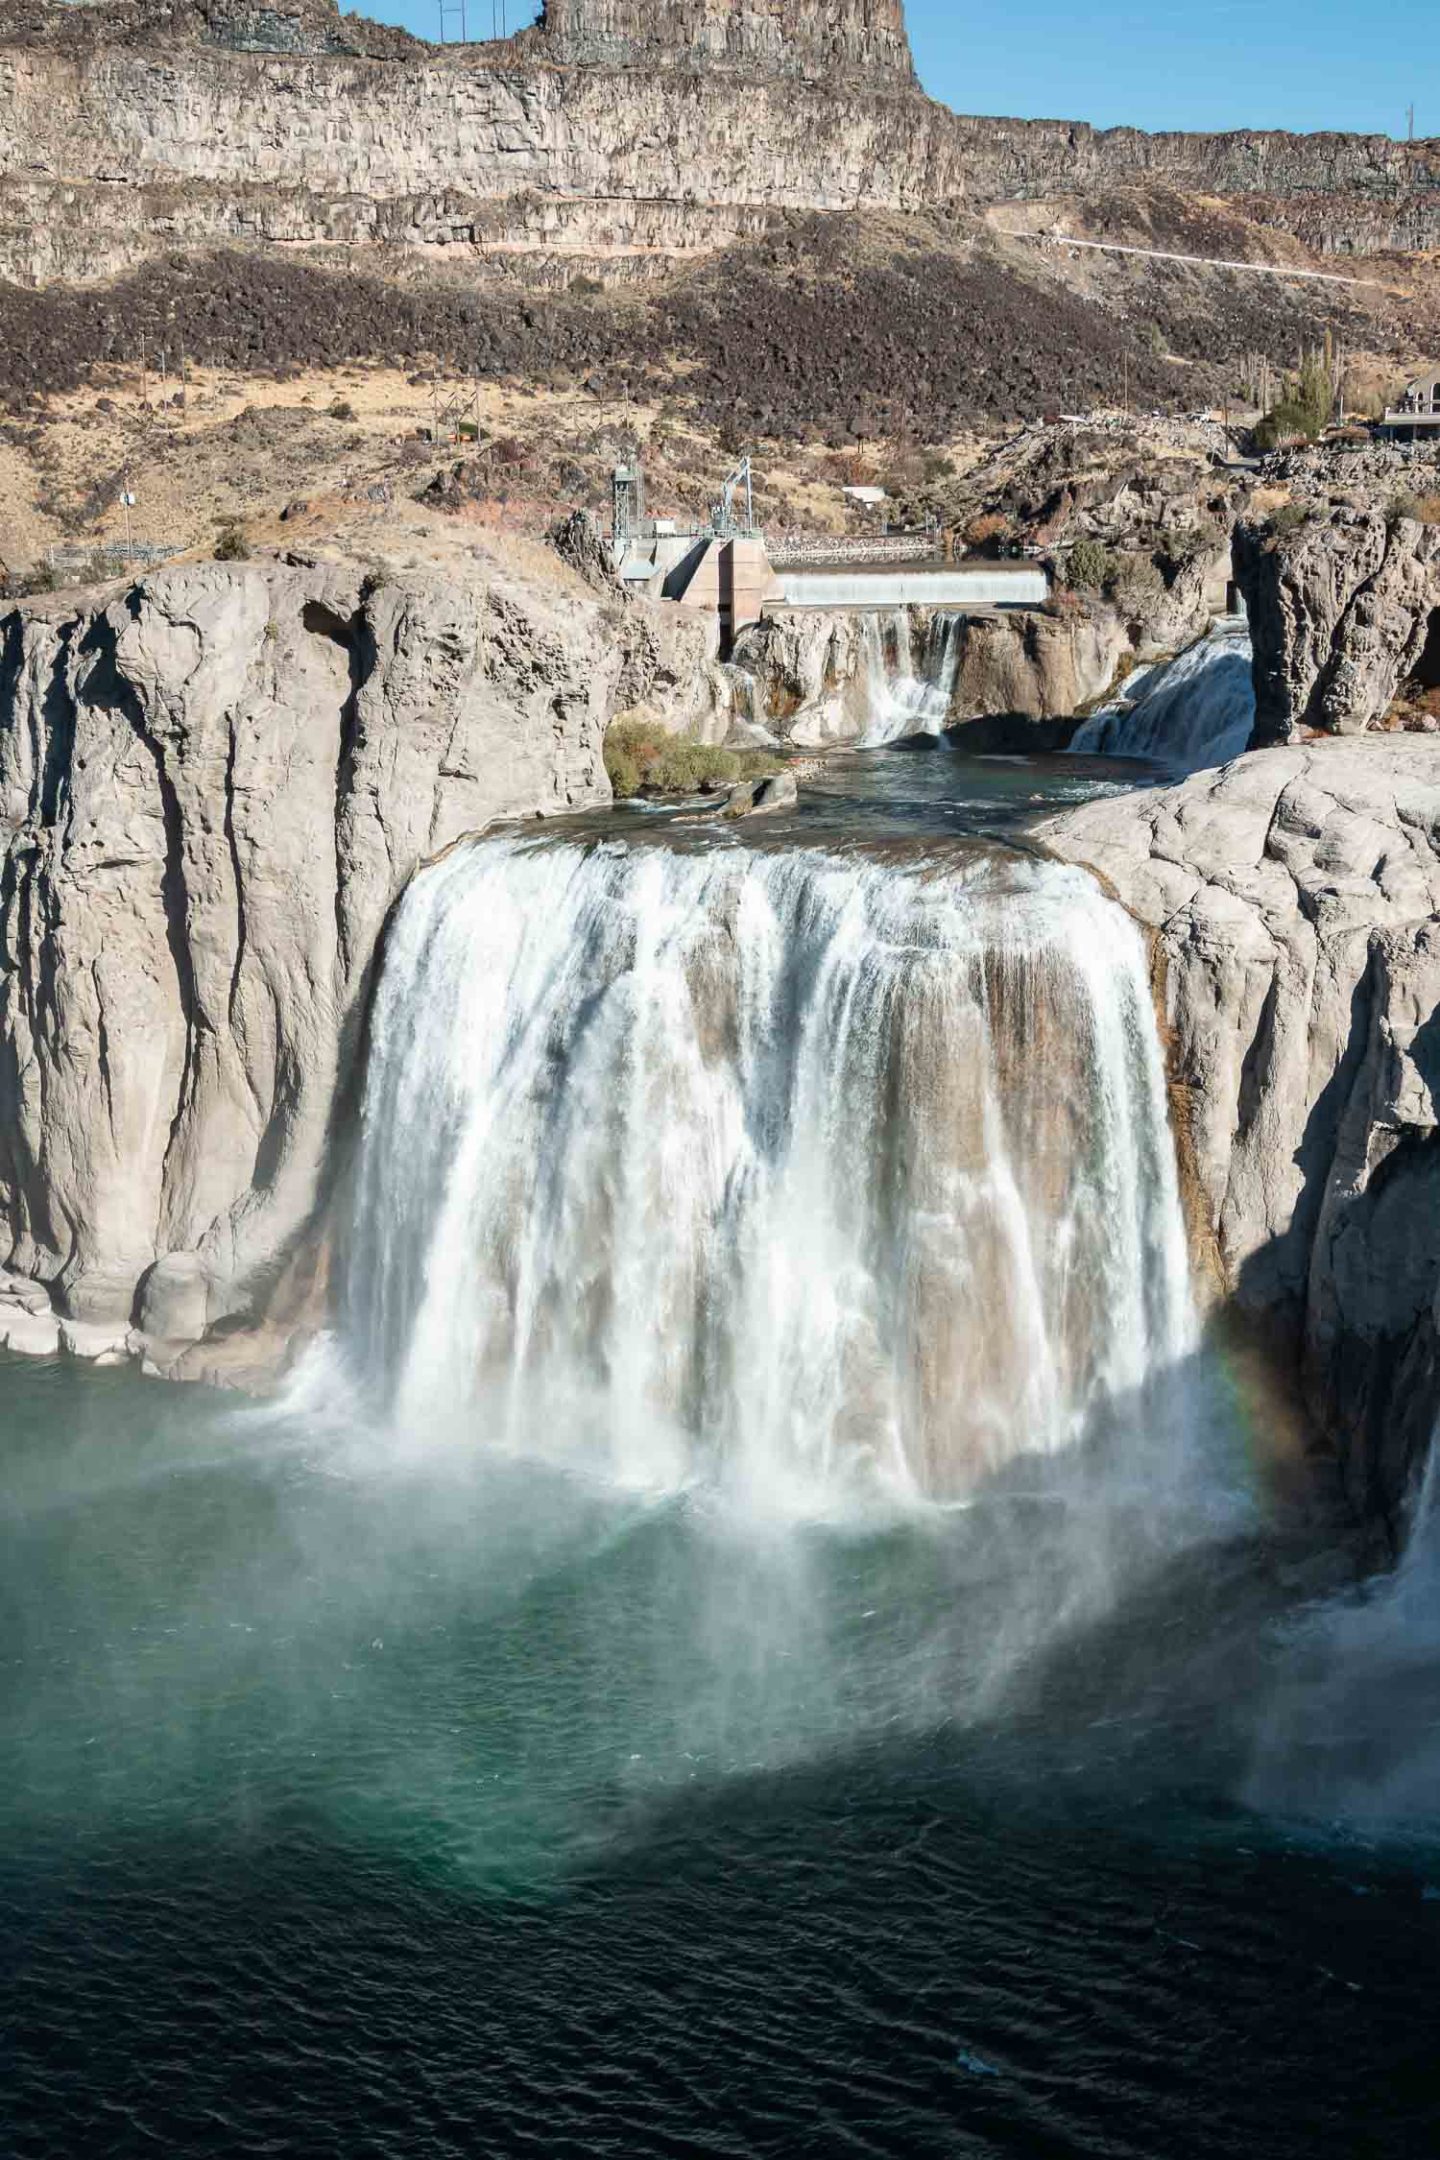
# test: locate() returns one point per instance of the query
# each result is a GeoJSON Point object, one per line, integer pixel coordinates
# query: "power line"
{"type": "Point", "coordinates": [455, 25]}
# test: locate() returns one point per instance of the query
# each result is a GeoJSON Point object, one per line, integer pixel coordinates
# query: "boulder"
{"type": "Point", "coordinates": [763, 798]}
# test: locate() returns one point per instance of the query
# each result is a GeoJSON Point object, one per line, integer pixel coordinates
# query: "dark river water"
{"type": "Point", "coordinates": [420, 1802]}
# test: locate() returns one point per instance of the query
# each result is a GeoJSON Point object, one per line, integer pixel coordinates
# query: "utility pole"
{"type": "Point", "coordinates": [1411, 118]}
{"type": "Point", "coordinates": [127, 502]}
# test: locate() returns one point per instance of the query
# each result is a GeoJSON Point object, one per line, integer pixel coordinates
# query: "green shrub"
{"type": "Point", "coordinates": [641, 759]}
{"type": "Point", "coordinates": [342, 409]}
{"type": "Point", "coordinates": [231, 545]}
{"type": "Point", "coordinates": [1289, 518]}
{"type": "Point", "coordinates": [1089, 566]}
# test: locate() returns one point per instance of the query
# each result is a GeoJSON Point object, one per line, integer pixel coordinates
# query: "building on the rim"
{"type": "Point", "coordinates": [1417, 417]}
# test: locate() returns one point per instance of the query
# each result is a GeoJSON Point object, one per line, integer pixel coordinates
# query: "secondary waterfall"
{"type": "Point", "coordinates": [909, 694]}
{"type": "Point", "coordinates": [1191, 713]}
{"type": "Point", "coordinates": [809, 1172]}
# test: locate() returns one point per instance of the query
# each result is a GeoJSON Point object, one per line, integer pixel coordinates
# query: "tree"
{"type": "Point", "coordinates": [1306, 406]}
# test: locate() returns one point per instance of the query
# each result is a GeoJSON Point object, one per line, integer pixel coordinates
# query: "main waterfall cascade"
{"type": "Point", "coordinates": [810, 1174]}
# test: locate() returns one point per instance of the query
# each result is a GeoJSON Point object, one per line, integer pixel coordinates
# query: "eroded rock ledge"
{"type": "Point", "coordinates": [1345, 611]}
{"type": "Point", "coordinates": [1294, 898]}
{"type": "Point", "coordinates": [213, 787]}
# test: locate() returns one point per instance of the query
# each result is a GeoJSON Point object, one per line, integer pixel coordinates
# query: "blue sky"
{"type": "Point", "coordinates": [1173, 63]}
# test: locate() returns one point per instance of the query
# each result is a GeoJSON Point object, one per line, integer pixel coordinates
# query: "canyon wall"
{"type": "Point", "coordinates": [213, 786]}
{"type": "Point", "coordinates": [201, 140]}
{"type": "Point", "coordinates": [830, 37]}
{"type": "Point", "coordinates": [1345, 609]}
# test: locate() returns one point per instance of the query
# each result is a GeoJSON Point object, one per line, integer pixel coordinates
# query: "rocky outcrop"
{"type": "Point", "coordinates": [1294, 900]}
{"type": "Point", "coordinates": [820, 678]}
{"type": "Point", "coordinates": [213, 786]}
{"type": "Point", "coordinates": [776, 37]}
{"type": "Point", "coordinates": [1344, 608]}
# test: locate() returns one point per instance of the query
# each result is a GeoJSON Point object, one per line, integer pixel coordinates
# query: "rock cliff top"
{"type": "Point", "coordinates": [311, 27]}
{"type": "Point", "coordinates": [812, 38]}
{"type": "Point", "coordinates": [776, 37]}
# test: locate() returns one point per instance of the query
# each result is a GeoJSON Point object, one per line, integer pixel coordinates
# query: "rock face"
{"type": "Point", "coordinates": [290, 125]}
{"type": "Point", "coordinates": [1344, 610]}
{"type": "Point", "coordinates": [820, 678]}
{"type": "Point", "coordinates": [212, 789]}
{"type": "Point", "coordinates": [1294, 899]}
{"type": "Point", "coordinates": [778, 37]}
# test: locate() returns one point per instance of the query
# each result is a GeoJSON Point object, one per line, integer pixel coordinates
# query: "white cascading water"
{"type": "Point", "coordinates": [909, 697]}
{"type": "Point", "coordinates": [1194, 712]}
{"type": "Point", "coordinates": [807, 1173]}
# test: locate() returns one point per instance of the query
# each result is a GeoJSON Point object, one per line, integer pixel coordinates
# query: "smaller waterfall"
{"type": "Point", "coordinates": [909, 696]}
{"type": "Point", "coordinates": [748, 723]}
{"type": "Point", "coordinates": [1189, 714]}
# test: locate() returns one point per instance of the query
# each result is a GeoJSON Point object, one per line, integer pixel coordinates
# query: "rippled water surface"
{"type": "Point", "coordinates": [354, 1807]}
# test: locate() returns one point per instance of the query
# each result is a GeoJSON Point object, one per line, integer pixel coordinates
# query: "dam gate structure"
{"type": "Point", "coordinates": [730, 569]}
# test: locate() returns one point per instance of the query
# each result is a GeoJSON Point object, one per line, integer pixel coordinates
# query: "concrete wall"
{"type": "Point", "coordinates": [1029, 587]}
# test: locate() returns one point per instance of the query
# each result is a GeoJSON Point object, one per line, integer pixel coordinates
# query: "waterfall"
{"type": "Point", "coordinates": [748, 723]}
{"type": "Point", "coordinates": [906, 700]}
{"type": "Point", "coordinates": [1194, 712]}
{"type": "Point", "coordinates": [813, 1173]}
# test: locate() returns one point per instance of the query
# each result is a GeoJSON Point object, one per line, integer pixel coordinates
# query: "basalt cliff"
{"type": "Point", "coordinates": [213, 787]}
{"type": "Point", "coordinates": [633, 130]}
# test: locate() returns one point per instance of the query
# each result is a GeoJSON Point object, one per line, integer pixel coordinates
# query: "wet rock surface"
{"type": "Point", "coordinates": [819, 677]}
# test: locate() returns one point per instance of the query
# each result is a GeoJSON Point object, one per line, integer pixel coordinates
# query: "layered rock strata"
{"type": "Point", "coordinates": [213, 786]}
{"type": "Point", "coordinates": [1294, 901]}
{"type": "Point", "coordinates": [746, 104]}
{"type": "Point", "coordinates": [778, 37]}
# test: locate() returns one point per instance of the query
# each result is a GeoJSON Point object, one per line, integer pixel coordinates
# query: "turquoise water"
{"type": "Point", "coordinates": [453, 1806]}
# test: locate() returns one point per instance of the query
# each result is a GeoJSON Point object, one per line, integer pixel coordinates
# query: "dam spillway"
{"type": "Point", "coordinates": [808, 1171]}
